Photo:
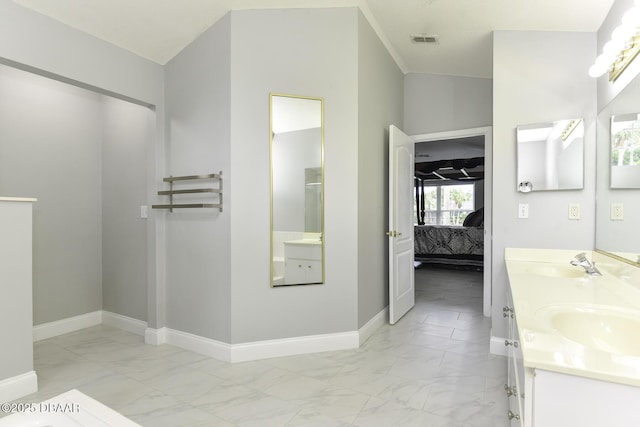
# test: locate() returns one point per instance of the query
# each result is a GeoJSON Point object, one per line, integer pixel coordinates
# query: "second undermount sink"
{"type": "Point", "coordinates": [600, 328]}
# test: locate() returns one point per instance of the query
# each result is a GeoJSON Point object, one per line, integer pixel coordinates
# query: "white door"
{"type": "Point", "coordinates": [401, 279]}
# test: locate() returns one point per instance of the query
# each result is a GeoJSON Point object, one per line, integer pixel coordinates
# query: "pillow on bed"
{"type": "Point", "coordinates": [474, 219]}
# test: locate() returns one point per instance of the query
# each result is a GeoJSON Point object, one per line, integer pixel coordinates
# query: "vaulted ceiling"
{"type": "Point", "coordinates": [159, 29]}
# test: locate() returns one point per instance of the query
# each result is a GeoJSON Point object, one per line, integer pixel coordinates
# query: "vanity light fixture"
{"type": "Point", "coordinates": [623, 47]}
{"type": "Point", "coordinates": [570, 128]}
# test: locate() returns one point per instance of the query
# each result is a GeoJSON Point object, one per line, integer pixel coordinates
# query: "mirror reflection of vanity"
{"type": "Point", "coordinates": [551, 156]}
{"type": "Point", "coordinates": [297, 189]}
{"type": "Point", "coordinates": [618, 176]}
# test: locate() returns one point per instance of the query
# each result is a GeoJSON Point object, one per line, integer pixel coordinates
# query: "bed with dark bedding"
{"type": "Point", "coordinates": [451, 244]}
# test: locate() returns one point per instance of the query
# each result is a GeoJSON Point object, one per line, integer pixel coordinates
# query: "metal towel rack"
{"type": "Point", "coordinates": [171, 192]}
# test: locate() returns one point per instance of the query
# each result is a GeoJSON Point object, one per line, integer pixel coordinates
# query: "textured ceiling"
{"type": "Point", "coordinates": [159, 29]}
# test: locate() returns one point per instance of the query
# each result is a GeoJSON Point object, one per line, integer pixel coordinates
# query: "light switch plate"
{"type": "Point", "coordinates": [144, 211]}
{"type": "Point", "coordinates": [617, 211]}
{"type": "Point", "coordinates": [574, 210]}
{"type": "Point", "coordinates": [523, 210]}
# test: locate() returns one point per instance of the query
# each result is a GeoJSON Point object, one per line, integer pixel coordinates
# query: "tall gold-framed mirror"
{"type": "Point", "coordinates": [297, 189]}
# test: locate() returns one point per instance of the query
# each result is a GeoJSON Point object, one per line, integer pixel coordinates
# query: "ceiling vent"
{"type": "Point", "coordinates": [424, 39]}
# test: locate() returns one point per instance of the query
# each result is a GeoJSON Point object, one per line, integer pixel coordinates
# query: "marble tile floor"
{"type": "Point", "coordinates": [432, 368]}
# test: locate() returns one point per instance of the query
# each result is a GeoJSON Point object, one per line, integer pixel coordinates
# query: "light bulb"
{"type": "Point", "coordinates": [605, 60]}
{"type": "Point", "coordinates": [623, 33]}
{"type": "Point", "coordinates": [632, 17]}
{"type": "Point", "coordinates": [613, 48]}
{"type": "Point", "coordinates": [597, 70]}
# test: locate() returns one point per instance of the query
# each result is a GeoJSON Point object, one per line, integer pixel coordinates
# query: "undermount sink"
{"type": "Point", "coordinates": [568, 271]}
{"type": "Point", "coordinates": [606, 329]}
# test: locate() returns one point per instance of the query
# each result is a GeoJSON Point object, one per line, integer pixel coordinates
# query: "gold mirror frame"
{"type": "Point", "coordinates": [296, 141]}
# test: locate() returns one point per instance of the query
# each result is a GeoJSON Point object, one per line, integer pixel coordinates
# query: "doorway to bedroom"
{"type": "Point", "coordinates": [452, 224]}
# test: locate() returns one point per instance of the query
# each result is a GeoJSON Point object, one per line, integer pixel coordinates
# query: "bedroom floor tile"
{"type": "Point", "coordinates": [432, 368]}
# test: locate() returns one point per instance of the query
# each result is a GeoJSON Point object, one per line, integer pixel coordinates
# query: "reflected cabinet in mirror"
{"type": "Point", "coordinates": [551, 156]}
{"type": "Point", "coordinates": [625, 151]}
{"type": "Point", "coordinates": [297, 190]}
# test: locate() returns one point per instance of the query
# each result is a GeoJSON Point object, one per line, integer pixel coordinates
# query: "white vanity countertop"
{"type": "Point", "coordinates": [554, 300]}
{"type": "Point", "coordinates": [17, 199]}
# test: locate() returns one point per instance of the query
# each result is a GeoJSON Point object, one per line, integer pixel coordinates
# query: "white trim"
{"type": "Point", "coordinates": [258, 349]}
{"type": "Point", "coordinates": [125, 323]}
{"type": "Point", "coordinates": [293, 346]}
{"type": "Point", "coordinates": [217, 349]}
{"type": "Point", "coordinates": [372, 325]}
{"type": "Point", "coordinates": [375, 25]}
{"type": "Point", "coordinates": [201, 345]}
{"type": "Point", "coordinates": [452, 134]}
{"type": "Point", "coordinates": [64, 326]}
{"type": "Point", "coordinates": [16, 387]}
{"type": "Point", "coordinates": [496, 346]}
{"type": "Point", "coordinates": [487, 131]}
{"type": "Point", "coordinates": [155, 336]}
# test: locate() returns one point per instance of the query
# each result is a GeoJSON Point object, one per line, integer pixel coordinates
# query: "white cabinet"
{"type": "Point", "coordinates": [302, 262]}
{"type": "Point", "coordinates": [542, 398]}
{"type": "Point", "coordinates": [519, 379]}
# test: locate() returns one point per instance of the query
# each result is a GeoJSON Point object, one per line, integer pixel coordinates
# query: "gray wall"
{"type": "Point", "coordinates": [220, 86]}
{"type": "Point", "coordinates": [538, 77]}
{"type": "Point", "coordinates": [271, 53]}
{"type": "Point", "coordinates": [435, 103]}
{"type": "Point", "coordinates": [127, 130]}
{"type": "Point", "coordinates": [83, 155]}
{"type": "Point", "coordinates": [380, 104]}
{"type": "Point", "coordinates": [50, 48]}
{"type": "Point", "coordinates": [31, 40]}
{"type": "Point", "coordinates": [198, 242]}
{"type": "Point", "coordinates": [50, 143]}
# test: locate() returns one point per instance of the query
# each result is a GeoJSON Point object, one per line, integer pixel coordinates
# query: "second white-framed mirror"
{"type": "Point", "coordinates": [297, 189]}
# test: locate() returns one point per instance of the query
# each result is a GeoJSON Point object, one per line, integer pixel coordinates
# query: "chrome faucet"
{"type": "Point", "coordinates": [589, 267]}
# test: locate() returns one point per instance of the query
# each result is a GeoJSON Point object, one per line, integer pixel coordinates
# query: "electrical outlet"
{"type": "Point", "coordinates": [574, 210]}
{"type": "Point", "coordinates": [523, 210]}
{"type": "Point", "coordinates": [617, 211]}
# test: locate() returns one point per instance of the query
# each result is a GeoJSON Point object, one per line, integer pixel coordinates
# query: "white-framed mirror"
{"type": "Point", "coordinates": [297, 190]}
{"type": "Point", "coordinates": [550, 156]}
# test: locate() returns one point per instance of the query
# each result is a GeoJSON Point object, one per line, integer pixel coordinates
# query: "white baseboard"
{"type": "Point", "coordinates": [217, 349]}
{"type": "Point", "coordinates": [372, 325]}
{"type": "Point", "coordinates": [254, 350]}
{"type": "Point", "coordinates": [201, 345]}
{"type": "Point", "coordinates": [64, 326]}
{"type": "Point", "coordinates": [16, 387]}
{"type": "Point", "coordinates": [496, 346]}
{"type": "Point", "coordinates": [293, 346]}
{"type": "Point", "coordinates": [125, 323]}
{"type": "Point", "coordinates": [155, 336]}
